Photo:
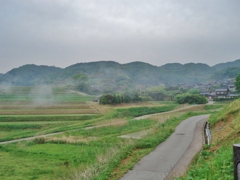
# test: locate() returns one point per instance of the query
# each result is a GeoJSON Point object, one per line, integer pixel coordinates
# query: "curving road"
{"type": "Point", "coordinates": [172, 157]}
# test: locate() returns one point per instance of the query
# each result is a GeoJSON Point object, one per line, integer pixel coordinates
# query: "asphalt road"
{"type": "Point", "coordinates": [172, 157]}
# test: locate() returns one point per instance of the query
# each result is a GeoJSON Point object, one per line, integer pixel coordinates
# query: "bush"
{"type": "Point", "coordinates": [191, 99]}
{"type": "Point", "coordinates": [119, 98]}
{"type": "Point", "coordinates": [39, 140]}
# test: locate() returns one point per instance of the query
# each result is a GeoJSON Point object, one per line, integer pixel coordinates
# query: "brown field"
{"type": "Point", "coordinates": [47, 109]}
{"type": "Point", "coordinates": [56, 106]}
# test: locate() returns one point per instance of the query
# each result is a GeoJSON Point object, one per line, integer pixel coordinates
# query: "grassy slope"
{"type": "Point", "coordinates": [216, 160]}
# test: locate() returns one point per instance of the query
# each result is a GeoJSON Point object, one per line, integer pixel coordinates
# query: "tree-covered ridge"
{"type": "Point", "coordinates": [31, 74]}
{"type": "Point", "coordinates": [188, 73]}
{"type": "Point", "coordinates": [229, 72]}
{"type": "Point", "coordinates": [110, 76]}
{"type": "Point", "coordinates": [221, 66]}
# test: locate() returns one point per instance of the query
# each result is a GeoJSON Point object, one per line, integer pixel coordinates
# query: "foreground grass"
{"type": "Point", "coordinates": [212, 165]}
{"type": "Point", "coordinates": [64, 157]}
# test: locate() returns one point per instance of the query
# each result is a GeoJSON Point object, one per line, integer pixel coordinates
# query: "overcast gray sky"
{"type": "Point", "coordinates": [65, 32]}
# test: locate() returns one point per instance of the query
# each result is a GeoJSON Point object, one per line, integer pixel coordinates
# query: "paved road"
{"type": "Point", "coordinates": [172, 156]}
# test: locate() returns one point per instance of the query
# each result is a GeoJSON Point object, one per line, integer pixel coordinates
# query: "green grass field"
{"type": "Point", "coordinates": [79, 152]}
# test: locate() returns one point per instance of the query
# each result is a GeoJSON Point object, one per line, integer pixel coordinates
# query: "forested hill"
{"type": "Point", "coordinates": [222, 66]}
{"type": "Point", "coordinates": [110, 75]}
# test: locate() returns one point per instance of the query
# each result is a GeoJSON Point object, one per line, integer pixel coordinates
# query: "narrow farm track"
{"type": "Point", "coordinates": [175, 110]}
{"type": "Point", "coordinates": [29, 138]}
{"type": "Point", "coordinates": [172, 157]}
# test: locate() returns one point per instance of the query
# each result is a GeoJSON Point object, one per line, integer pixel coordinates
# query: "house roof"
{"type": "Point", "coordinates": [204, 93]}
{"type": "Point", "coordinates": [225, 89]}
{"type": "Point", "coordinates": [233, 95]}
{"type": "Point", "coordinates": [212, 94]}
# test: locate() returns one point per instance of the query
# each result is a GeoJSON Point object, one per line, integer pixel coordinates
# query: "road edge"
{"type": "Point", "coordinates": [180, 168]}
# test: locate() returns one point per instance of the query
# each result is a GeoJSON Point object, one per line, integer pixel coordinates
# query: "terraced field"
{"type": "Point", "coordinates": [89, 146]}
{"type": "Point", "coordinates": [32, 111]}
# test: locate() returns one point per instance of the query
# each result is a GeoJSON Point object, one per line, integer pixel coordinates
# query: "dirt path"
{"type": "Point", "coordinates": [176, 110]}
{"type": "Point", "coordinates": [29, 138]}
{"type": "Point", "coordinates": [80, 93]}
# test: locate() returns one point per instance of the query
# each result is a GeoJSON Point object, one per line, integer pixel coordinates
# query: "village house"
{"type": "Point", "coordinates": [223, 93]}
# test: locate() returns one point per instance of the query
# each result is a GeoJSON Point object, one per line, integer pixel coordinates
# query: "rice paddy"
{"type": "Point", "coordinates": [88, 147]}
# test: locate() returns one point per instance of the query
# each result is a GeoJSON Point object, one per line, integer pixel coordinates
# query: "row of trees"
{"type": "Point", "coordinates": [152, 94]}
{"type": "Point", "coordinates": [158, 93]}
{"type": "Point", "coordinates": [119, 98]}
{"type": "Point", "coordinates": [191, 99]}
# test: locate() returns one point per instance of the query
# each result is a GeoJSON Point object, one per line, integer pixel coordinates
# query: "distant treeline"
{"type": "Point", "coordinates": [155, 94]}
{"type": "Point", "coordinates": [152, 94]}
{"type": "Point", "coordinates": [119, 98]}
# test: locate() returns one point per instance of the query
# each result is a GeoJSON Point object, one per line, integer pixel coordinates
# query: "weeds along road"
{"type": "Point", "coordinates": [172, 157]}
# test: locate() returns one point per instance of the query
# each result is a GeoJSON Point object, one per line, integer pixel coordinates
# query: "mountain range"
{"type": "Point", "coordinates": [106, 76]}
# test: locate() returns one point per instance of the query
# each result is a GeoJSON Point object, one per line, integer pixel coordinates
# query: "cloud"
{"type": "Point", "coordinates": [64, 32]}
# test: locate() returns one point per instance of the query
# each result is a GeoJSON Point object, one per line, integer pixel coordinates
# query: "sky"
{"type": "Point", "coordinates": [65, 32]}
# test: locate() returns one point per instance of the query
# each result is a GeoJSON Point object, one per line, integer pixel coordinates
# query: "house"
{"type": "Point", "coordinates": [231, 87]}
{"type": "Point", "coordinates": [97, 98]}
{"type": "Point", "coordinates": [223, 93]}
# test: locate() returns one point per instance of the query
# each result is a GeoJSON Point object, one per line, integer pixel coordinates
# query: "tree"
{"type": "Point", "coordinates": [80, 82]}
{"type": "Point", "coordinates": [193, 91]}
{"type": "Point", "coordinates": [80, 77]}
{"type": "Point", "coordinates": [136, 98]}
{"type": "Point", "coordinates": [190, 98]}
{"type": "Point", "coordinates": [237, 83]}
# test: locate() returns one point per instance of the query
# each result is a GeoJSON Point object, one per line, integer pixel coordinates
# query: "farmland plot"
{"type": "Point", "coordinates": [79, 152]}
{"type": "Point", "coordinates": [26, 112]}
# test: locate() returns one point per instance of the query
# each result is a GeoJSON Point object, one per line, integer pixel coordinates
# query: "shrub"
{"type": "Point", "coordinates": [39, 140]}
{"type": "Point", "coordinates": [191, 99]}
{"type": "Point", "coordinates": [119, 98]}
